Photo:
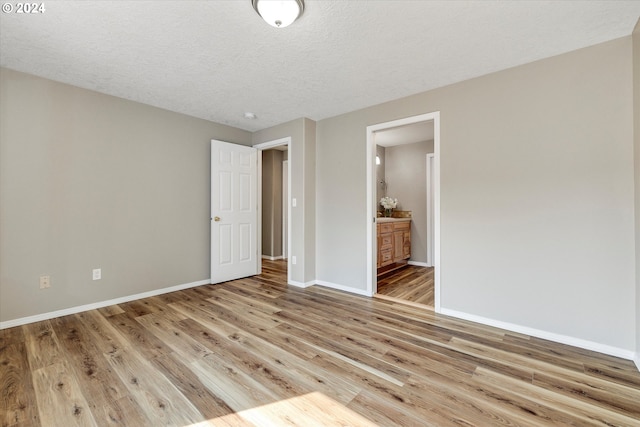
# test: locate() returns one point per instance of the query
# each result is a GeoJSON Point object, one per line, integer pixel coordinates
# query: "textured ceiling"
{"type": "Point", "coordinates": [217, 59]}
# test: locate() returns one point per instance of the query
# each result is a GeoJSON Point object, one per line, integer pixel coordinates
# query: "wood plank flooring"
{"type": "Point", "coordinates": [255, 352]}
{"type": "Point", "coordinates": [412, 283]}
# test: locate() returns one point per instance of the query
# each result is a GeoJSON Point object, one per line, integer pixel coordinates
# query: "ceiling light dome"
{"type": "Point", "coordinates": [279, 13]}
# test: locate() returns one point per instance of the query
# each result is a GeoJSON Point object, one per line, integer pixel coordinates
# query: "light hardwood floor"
{"type": "Point", "coordinates": [256, 352]}
{"type": "Point", "coordinates": [411, 283]}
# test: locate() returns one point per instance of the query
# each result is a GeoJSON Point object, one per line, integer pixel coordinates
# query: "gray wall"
{"type": "Point", "coordinates": [636, 115]}
{"type": "Point", "coordinates": [93, 181]}
{"type": "Point", "coordinates": [272, 203]}
{"type": "Point", "coordinates": [302, 221]}
{"type": "Point", "coordinates": [537, 194]}
{"type": "Point", "coordinates": [406, 171]}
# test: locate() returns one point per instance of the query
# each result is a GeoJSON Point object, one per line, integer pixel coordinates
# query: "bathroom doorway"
{"type": "Point", "coordinates": [403, 164]}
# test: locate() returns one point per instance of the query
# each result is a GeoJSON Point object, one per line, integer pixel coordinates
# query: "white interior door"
{"type": "Point", "coordinates": [234, 211]}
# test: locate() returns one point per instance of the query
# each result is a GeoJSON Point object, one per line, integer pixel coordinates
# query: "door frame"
{"type": "Point", "coordinates": [285, 205]}
{"type": "Point", "coordinates": [430, 208]}
{"type": "Point", "coordinates": [372, 202]}
{"type": "Point", "coordinates": [261, 147]}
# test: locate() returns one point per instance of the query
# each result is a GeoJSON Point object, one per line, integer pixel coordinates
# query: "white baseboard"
{"type": "Point", "coordinates": [551, 336]}
{"type": "Point", "coordinates": [418, 264]}
{"type": "Point", "coordinates": [272, 258]}
{"type": "Point", "coordinates": [301, 284]}
{"type": "Point", "coordinates": [343, 288]}
{"type": "Point", "coordinates": [636, 360]}
{"type": "Point", "coordinates": [95, 305]}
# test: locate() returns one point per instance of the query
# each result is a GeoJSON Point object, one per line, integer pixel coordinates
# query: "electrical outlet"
{"type": "Point", "coordinates": [97, 273]}
{"type": "Point", "coordinates": [293, 260]}
{"type": "Point", "coordinates": [45, 282]}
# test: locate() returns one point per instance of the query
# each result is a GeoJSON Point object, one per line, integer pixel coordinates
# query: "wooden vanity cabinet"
{"type": "Point", "coordinates": [394, 244]}
{"type": "Point", "coordinates": [401, 241]}
{"type": "Point", "coordinates": [385, 244]}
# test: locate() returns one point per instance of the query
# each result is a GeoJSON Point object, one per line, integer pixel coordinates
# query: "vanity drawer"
{"type": "Point", "coordinates": [385, 228]}
{"type": "Point", "coordinates": [405, 225]}
{"type": "Point", "coordinates": [385, 241]}
{"type": "Point", "coordinates": [386, 257]}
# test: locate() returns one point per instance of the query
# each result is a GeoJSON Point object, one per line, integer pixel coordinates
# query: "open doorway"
{"type": "Point", "coordinates": [274, 225]}
{"type": "Point", "coordinates": [403, 249]}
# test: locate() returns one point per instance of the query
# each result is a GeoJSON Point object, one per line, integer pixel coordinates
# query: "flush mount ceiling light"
{"type": "Point", "coordinates": [279, 13]}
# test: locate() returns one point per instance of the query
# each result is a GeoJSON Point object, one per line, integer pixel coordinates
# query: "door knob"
{"type": "Point", "coordinates": [216, 219]}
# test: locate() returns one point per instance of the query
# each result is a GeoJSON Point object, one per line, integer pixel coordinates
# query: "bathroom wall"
{"type": "Point", "coordinates": [406, 177]}
{"type": "Point", "coordinates": [380, 174]}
